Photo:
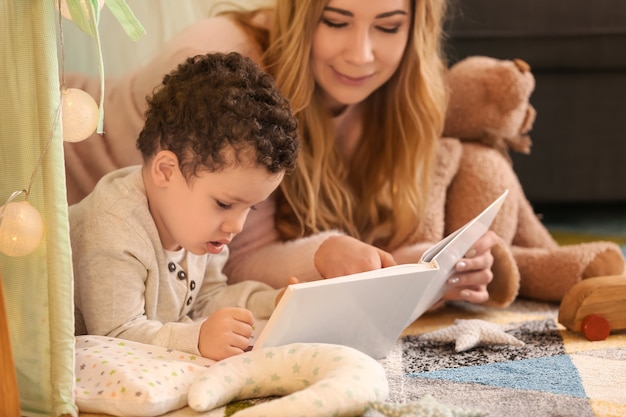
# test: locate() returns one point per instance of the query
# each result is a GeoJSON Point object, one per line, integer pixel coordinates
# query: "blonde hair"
{"type": "Point", "coordinates": [381, 195]}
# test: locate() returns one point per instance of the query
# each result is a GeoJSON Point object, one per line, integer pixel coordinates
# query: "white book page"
{"type": "Point", "coordinates": [366, 311]}
{"type": "Point", "coordinates": [369, 310]}
{"type": "Point", "coordinates": [450, 250]}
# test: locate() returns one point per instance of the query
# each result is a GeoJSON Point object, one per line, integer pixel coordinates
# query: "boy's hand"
{"type": "Point", "coordinates": [226, 333]}
{"type": "Point", "coordinates": [292, 280]}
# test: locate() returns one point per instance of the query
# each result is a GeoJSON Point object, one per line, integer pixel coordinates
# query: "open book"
{"type": "Point", "coordinates": [369, 310]}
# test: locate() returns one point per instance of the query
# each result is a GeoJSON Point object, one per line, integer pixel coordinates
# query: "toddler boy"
{"type": "Point", "coordinates": [150, 241]}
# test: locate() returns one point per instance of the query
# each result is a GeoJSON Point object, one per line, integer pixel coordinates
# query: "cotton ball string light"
{"type": "Point", "coordinates": [21, 228]}
{"type": "Point", "coordinates": [79, 114]}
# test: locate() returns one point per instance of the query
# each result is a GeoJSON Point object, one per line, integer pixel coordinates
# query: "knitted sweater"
{"type": "Point", "coordinates": [127, 286]}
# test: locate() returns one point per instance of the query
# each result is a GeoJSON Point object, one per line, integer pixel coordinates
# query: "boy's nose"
{"type": "Point", "coordinates": [234, 225]}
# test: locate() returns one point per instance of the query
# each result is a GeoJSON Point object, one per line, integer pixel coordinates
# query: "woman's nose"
{"type": "Point", "coordinates": [359, 50]}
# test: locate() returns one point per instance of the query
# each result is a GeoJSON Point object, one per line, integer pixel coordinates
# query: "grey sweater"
{"type": "Point", "coordinates": [124, 284]}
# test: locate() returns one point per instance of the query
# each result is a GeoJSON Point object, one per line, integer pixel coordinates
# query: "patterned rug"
{"type": "Point", "coordinates": [555, 373]}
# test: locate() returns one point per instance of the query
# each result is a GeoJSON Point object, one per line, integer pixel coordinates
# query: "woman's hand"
{"type": "Point", "coordinates": [292, 280]}
{"type": "Point", "coordinates": [226, 333]}
{"type": "Point", "coordinates": [473, 272]}
{"type": "Point", "coordinates": [343, 255]}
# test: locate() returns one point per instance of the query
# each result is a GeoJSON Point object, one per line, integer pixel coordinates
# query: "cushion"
{"type": "Point", "coordinates": [125, 378]}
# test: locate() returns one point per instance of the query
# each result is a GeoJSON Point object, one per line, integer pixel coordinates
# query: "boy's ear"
{"type": "Point", "coordinates": [163, 167]}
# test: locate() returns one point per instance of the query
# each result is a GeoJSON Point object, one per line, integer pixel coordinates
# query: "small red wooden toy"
{"type": "Point", "coordinates": [595, 306]}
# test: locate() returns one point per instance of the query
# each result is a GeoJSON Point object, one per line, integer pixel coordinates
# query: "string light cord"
{"type": "Point", "coordinates": [55, 124]}
{"type": "Point", "coordinates": [21, 225]}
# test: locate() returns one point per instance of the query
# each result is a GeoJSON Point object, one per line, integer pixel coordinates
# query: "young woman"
{"type": "Point", "coordinates": [366, 82]}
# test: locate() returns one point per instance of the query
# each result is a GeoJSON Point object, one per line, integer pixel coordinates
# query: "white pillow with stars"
{"type": "Point", "coordinates": [125, 378]}
{"type": "Point", "coordinates": [310, 379]}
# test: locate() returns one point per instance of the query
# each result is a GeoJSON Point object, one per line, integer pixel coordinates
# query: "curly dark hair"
{"type": "Point", "coordinates": [216, 101]}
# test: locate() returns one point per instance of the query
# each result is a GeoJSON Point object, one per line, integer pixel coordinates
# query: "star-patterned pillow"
{"type": "Point", "coordinates": [310, 379]}
{"type": "Point", "coordinates": [125, 378]}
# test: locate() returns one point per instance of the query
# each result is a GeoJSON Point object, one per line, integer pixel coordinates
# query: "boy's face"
{"type": "Point", "coordinates": [206, 213]}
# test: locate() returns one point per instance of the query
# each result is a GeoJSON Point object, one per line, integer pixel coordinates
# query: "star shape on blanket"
{"type": "Point", "coordinates": [470, 333]}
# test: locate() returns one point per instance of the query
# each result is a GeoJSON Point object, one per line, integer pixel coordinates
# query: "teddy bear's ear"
{"type": "Point", "coordinates": [522, 65]}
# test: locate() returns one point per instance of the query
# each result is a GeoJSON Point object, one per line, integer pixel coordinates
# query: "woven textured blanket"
{"type": "Point", "coordinates": [555, 373]}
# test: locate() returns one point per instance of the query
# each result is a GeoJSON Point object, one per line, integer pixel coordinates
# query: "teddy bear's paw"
{"type": "Point", "coordinates": [609, 260]}
{"type": "Point", "coordinates": [547, 274]}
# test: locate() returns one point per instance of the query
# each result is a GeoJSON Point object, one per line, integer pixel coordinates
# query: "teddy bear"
{"type": "Point", "coordinates": [489, 114]}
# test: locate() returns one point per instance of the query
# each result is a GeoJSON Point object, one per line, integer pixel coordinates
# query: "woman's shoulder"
{"type": "Point", "coordinates": [221, 26]}
{"type": "Point", "coordinates": [216, 34]}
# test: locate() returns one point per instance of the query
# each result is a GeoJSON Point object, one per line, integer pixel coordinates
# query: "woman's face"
{"type": "Point", "coordinates": [357, 47]}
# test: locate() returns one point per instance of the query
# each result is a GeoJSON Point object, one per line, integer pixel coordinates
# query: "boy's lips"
{"type": "Point", "coordinates": [216, 247]}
